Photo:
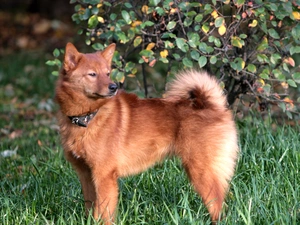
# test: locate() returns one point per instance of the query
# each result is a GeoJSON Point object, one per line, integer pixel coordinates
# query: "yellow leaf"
{"type": "Point", "coordinates": [262, 82]}
{"type": "Point", "coordinates": [205, 28]}
{"type": "Point", "coordinates": [237, 42]}
{"type": "Point", "coordinates": [99, 5]}
{"type": "Point", "coordinates": [150, 46]}
{"type": "Point", "coordinates": [243, 64]}
{"type": "Point", "coordinates": [136, 23]}
{"type": "Point", "coordinates": [285, 85]}
{"type": "Point", "coordinates": [173, 10]}
{"type": "Point", "coordinates": [214, 14]}
{"type": "Point", "coordinates": [145, 9]}
{"type": "Point", "coordinates": [100, 19]}
{"type": "Point", "coordinates": [222, 30]}
{"type": "Point", "coordinates": [296, 15]}
{"type": "Point", "coordinates": [226, 2]}
{"type": "Point", "coordinates": [164, 53]}
{"type": "Point", "coordinates": [253, 24]}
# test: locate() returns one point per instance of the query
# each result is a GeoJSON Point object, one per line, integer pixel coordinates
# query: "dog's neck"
{"type": "Point", "coordinates": [82, 121]}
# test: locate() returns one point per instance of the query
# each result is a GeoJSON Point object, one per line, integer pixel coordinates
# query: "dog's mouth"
{"type": "Point", "coordinates": [109, 95]}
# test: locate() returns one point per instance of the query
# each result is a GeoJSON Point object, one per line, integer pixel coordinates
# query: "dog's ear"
{"type": "Point", "coordinates": [72, 57]}
{"type": "Point", "coordinates": [108, 53]}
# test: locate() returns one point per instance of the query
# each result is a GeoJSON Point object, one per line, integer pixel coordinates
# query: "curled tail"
{"type": "Point", "coordinates": [200, 88]}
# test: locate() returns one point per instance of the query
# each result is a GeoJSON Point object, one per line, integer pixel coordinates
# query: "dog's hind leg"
{"type": "Point", "coordinates": [208, 186]}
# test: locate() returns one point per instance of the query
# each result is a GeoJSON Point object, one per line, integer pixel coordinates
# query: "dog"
{"type": "Point", "coordinates": [107, 133]}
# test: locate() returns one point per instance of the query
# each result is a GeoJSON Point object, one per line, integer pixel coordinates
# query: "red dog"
{"type": "Point", "coordinates": [107, 134]}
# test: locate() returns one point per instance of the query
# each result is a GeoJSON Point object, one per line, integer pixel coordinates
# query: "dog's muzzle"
{"type": "Point", "coordinates": [113, 88]}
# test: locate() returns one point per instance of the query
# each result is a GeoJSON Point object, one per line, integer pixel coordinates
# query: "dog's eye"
{"type": "Point", "coordinates": [92, 74]}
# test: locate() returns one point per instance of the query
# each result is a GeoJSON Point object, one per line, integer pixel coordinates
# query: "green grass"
{"type": "Point", "coordinates": [37, 186]}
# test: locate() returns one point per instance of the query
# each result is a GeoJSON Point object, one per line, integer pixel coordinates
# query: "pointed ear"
{"type": "Point", "coordinates": [72, 57]}
{"type": "Point", "coordinates": [108, 53]}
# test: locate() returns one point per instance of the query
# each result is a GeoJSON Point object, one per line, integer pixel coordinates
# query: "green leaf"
{"type": "Point", "coordinates": [262, 58]}
{"type": "Point", "coordinates": [176, 56]}
{"type": "Point", "coordinates": [267, 89]}
{"type": "Point", "coordinates": [95, 10]}
{"type": "Point", "coordinates": [282, 106]}
{"type": "Point", "coordinates": [113, 16]}
{"type": "Point", "coordinates": [296, 77]}
{"type": "Point", "coordinates": [164, 60]}
{"type": "Point", "coordinates": [146, 53]}
{"type": "Point", "coordinates": [187, 62]}
{"type": "Point", "coordinates": [50, 63]}
{"type": "Point", "coordinates": [239, 3]}
{"type": "Point", "coordinates": [171, 25]}
{"type": "Point", "coordinates": [278, 75]}
{"type": "Point", "coordinates": [264, 75]}
{"type": "Point", "coordinates": [154, 2]}
{"type": "Point", "coordinates": [126, 16]}
{"type": "Point", "coordinates": [251, 68]}
{"type": "Point", "coordinates": [116, 75]}
{"type": "Point", "coordinates": [219, 21]}
{"type": "Point", "coordinates": [137, 41]}
{"type": "Point", "coordinates": [190, 13]}
{"type": "Point", "coordinates": [294, 49]}
{"type": "Point", "coordinates": [243, 36]}
{"type": "Point", "coordinates": [55, 73]}
{"type": "Point", "coordinates": [213, 59]}
{"type": "Point", "coordinates": [181, 44]}
{"type": "Point", "coordinates": [195, 55]}
{"type": "Point", "coordinates": [193, 39]}
{"type": "Point", "coordinates": [198, 18]}
{"type": "Point", "coordinates": [128, 5]}
{"type": "Point", "coordinates": [122, 37]}
{"type": "Point", "coordinates": [129, 66]}
{"type": "Point", "coordinates": [203, 47]}
{"type": "Point", "coordinates": [263, 45]}
{"type": "Point", "coordinates": [147, 24]}
{"type": "Point", "coordinates": [273, 33]}
{"type": "Point", "coordinates": [238, 64]}
{"type": "Point", "coordinates": [86, 15]}
{"type": "Point", "coordinates": [93, 21]}
{"type": "Point", "coordinates": [56, 53]}
{"type": "Point", "coordinates": [188, 22]}
{"type": "Point", "coordinates": [160, 11]}
{"type": "Point", "coordinates": [202, 61]}
{"type": "Point", "coordinates": [98, 46]}
{"type": "Point", "coordinates": [274, 58]}
{"type": "Point", "coordinates": [291, 83]}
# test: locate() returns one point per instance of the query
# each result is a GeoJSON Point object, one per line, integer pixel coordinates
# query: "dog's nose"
{"type": "Point", "coordinates": [112, 88]}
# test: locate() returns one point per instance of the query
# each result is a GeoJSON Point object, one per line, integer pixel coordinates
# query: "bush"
{"type": "Point", "coordinates": [252, 46]}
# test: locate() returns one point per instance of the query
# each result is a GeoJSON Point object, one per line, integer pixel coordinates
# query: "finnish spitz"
{"type": "Point", "coordinates": [107, 133]}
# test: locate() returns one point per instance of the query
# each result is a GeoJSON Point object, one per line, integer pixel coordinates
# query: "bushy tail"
{"type": "Point", "coordinates": [200, 88]}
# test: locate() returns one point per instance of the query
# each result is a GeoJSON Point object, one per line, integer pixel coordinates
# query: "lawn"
{"type": "Point", "coordinates": [37, 186]}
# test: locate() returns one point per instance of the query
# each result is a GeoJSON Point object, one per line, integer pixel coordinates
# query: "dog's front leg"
{"type": "Point", "coordinates": [106, 186]}
{"type": "Point", "coordinates": [85, 177]}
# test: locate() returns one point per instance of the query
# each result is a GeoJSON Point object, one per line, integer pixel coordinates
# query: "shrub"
{"type": "Point", "coordinates": [252, 46]}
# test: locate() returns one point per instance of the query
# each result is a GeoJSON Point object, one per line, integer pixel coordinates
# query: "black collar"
{"type": "Point", "coordinates": [82, 121]}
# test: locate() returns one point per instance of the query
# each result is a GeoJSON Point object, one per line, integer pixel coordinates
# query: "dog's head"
{"type": "Point", "coordinates": [89, 73]}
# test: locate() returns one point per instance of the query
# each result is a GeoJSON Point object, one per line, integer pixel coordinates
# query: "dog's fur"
{"type": "Point", "coordinates": [128, 135]}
